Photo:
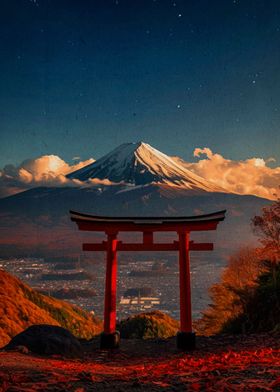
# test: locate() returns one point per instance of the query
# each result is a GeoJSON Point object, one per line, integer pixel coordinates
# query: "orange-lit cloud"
{"type": "Point", "coordinates": [47, 170]}
{"type": "Point", "coordinates": [250, 176]}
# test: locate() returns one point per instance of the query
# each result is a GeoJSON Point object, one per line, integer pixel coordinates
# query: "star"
{"type": "Point", "coordinates": [34, 2]}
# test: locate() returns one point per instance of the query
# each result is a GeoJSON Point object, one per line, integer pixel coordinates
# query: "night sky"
{"type": "Point", "coordinates": [80, 77]}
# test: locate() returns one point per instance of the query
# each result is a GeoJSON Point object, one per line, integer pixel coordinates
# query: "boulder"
{"type": "Point", "coordinates": [46, 339]}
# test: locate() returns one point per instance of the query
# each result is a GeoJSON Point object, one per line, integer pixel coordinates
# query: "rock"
{"type": "Point", "coordinates": [46, 339]}
{"type": "Point", "coordinates": [22, 349]}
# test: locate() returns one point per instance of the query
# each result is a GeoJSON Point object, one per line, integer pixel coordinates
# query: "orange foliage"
{"type": "Point", "coordinates": [267, 226]}
{"type": "Point", "coordinates": [20, 307]}
{"type": "Point", "coordinates": [239, 277]}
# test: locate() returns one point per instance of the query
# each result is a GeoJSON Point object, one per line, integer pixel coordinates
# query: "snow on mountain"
{"type": "Point", "coordinates": [141, 164]}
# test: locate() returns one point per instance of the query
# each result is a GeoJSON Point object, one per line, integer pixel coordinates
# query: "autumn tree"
{"type": "Point", "coordinates": [267, 227]}
{"type": "Point", "coordinates": [248, 297]}
{"type": "Point", "coordinates": [229, 296]}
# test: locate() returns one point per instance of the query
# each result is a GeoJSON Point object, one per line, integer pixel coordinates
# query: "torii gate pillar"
{"type": "Point", "coordinates": [185, 338]}
{"type": "Point", "coordinates": [110, 338]}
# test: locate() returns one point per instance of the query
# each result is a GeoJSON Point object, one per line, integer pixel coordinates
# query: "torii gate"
{"type": "Point", "coordinates": [111, 226]}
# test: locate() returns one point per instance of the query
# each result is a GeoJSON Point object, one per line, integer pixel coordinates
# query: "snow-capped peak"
{"type": "Point", "coordinates": [141, 164]}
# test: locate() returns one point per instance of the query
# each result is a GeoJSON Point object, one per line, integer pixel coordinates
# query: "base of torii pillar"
{"type": "Point", "coordinates": [110, 340]}
{"type": "Point", "coordinates": [186, 341]}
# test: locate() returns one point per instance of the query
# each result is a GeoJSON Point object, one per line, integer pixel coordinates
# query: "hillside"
{"type": "Point", "coordinates": [21, 306]}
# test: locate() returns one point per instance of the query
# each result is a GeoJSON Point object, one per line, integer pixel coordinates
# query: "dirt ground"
{"type": "Point", "coordinates": [220, 363]}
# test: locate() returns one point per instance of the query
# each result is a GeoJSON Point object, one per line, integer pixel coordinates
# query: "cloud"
{"type": "Point", "coordinates": [250, 176]}
{"type": "Point", "coordinates": [47, 170]}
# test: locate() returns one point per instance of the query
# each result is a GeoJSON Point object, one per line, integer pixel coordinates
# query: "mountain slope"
{"type": "Point", "coordinates": [21, 306]}
{"type": "Point", "coordinates": [141, 164]}
{"type": "Point", "coordinates": [37, 222]}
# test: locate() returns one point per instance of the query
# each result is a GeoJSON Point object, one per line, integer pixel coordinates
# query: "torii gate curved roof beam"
{"type": "Point", "coordinates": [189, 223]}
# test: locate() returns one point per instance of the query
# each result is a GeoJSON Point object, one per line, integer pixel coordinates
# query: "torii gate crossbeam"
{"type": "Point", "coordinates": [111, 226]}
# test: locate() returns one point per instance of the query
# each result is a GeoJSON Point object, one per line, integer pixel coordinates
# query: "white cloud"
{"type": "Point", "coordinates": [249, 176]}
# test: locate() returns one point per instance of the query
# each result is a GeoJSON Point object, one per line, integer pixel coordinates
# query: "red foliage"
{"type": "Point", "coordinates": [245, 366]}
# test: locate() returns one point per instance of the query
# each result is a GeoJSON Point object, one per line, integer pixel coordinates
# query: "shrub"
{"type": "Point", "coordinates": [148, 326]}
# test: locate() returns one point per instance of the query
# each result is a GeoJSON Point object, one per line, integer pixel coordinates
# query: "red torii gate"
{"type": "Point", "coordinates": [111, 226]}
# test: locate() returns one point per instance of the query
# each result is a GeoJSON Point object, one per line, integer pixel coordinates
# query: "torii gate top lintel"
{"type": "Point", "coordinates": [116, 224]}
{"type": "Point", "coordinates": [111, 226]}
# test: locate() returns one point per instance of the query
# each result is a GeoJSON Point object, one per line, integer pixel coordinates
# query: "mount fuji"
{"type": "Point", "coordinates": [141, 164]}
{"type": "Point", "coordinates": [133, 179]}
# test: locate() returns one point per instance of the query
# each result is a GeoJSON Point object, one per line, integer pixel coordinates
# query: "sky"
{"type": "Point", "coordinates": [80, 77]}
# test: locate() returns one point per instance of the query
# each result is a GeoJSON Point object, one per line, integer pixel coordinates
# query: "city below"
{"type": "Point", "coordinates": [143, 284]}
